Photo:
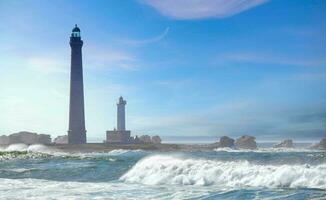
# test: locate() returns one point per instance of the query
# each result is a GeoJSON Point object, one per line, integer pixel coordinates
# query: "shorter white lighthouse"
{"type": "Point", "coordinates": [121, 114]}
{"type": "Point", "coordinates": [120, 135]}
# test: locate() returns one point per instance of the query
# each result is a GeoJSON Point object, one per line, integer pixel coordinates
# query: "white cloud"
{"type": "Point", "coordinates": [147, 40]}
{"type": "Point", "coordinates": [197, 9]}
{"type": "Point", "coordinates": [48, 65]}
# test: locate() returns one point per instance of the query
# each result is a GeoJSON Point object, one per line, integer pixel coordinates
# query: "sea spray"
{"type": "Point", "coordinates": [118, 152]}
{"type": "Point", "coordinates": [17, 147]}
{"type": "Point", "coordinates": [129, 174]}
{"type": "Point", "coordinates": [39, 148]}
{"type": "Point", "coordinates": [176, 170]}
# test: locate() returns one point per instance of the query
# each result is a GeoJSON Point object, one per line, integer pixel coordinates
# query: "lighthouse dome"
{"type": "Point", "coordinates": [75, 32]}
{"type": "Point", "coordinates": [76, 29]}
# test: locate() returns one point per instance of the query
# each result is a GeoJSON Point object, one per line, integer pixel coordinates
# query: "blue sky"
{"type": "Point", "coordinates": [185, 67]}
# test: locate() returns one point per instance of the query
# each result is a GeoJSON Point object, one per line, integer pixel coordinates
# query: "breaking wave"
{"type": "Point", "coordinates": [267, 150]}
{"type": "Point", "coordinates": [39, 148]}
{"type": "Point", "coordinates": [117, 152]}
{"type": "Point", "coordinates": [175, 170]}
{"type": "Point", "coordinates": [23, 151]}
{"type": "Point", "coordinates": [16, 147]}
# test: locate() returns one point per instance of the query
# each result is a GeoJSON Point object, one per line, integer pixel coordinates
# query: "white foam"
{"type": "Point", "coordinates": [39, 148]}
{"type": "Point", "coordinates": [17, 147]}
{"type": "Point", "coordinates": [38, 189]}
{"type": "Point", "coordinates": [117, 152]}
{"type": "Point", "coordinates": [36, 148]}
{"type": "Point", "coordinates": [175, 170]}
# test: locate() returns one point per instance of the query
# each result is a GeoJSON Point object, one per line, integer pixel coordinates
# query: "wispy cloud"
{"type": "Point", "coordinates": [102, 58]}
{"type": "Point", "coordinates": [147, 40]}
{"type": "Point", "coordinates": [261, 58]}
{"type": "Point", "coordinates": [48, 65]}
{"type": "Point", "coordinates": [198, 9]}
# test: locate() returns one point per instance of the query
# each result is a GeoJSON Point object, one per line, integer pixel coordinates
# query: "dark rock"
{"type": "Point", "coordinates": [145, 139]}
{"type": "Point", "coordinates": [285, 144]}
{"type": "Point", "coordinates": [156, 139]}
{"type": "Point", "coordinates": [225, 141]}
{"type": "Point", "coordinates": [246, 142]}
{"type": "Point", "coordinates": [321, 145]}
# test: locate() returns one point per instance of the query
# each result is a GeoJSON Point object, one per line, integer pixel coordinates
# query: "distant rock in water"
{"type": "Point", "coordinates": [321, 145]}
{"type": "Point", "coordinates": [25, 138]}
{"type": "Point", "coordinates": [62, 139]}
{"type": "Point", "coordinates": [156, 139]}
{"type": "Point", "coordinates": [246, 142]}
{"type": "Point", "coordinates": [285, 144]}
{"type": "Point", "coordinates": [225, 141]}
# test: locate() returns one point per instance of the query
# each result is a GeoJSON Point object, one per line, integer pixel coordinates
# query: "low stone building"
{"type": "Point", "coordinates": [116, 136]}
{"type": "Point", "coordinates": [4, 140]}
{"type": "Point", "coordinates": [26, 138]}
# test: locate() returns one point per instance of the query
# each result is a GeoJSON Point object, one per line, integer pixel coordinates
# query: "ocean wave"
{"type": "Point", "coordinates": [267, 150]}
{"type": "Point", "coordinates": [118, 152]}
{"type": "Point", "coordinates": [16, 147]}
{"type": "Point", "coordinates": [176, 170]}
{"type": "Point", "coordinates": [30, 189]}
{"type": "Point", "coordinates": [20, 147]}
{"type": "Point", "coordinates": [110, 154]}
{"type": "Point", "coordinates": [23, 151]}
{"type": "Point", "coordinates": [17, 170]}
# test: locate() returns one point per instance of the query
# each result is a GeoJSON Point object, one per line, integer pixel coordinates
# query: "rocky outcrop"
{"type": "Point", "coordinates": [62, 139]}
{"type": "Point", "coordinates": [25, 138]}
{"type": "Point", "coordinates": [225, 141]}
{"type": "Point", "coordinates": [148, 139]}
{"type": "Point", "coordinates": [145, 139]}
{"type": "Point", "coordinates": [321, 145]}
{"type": "Point", "coordinates": [156, 139]}
{"type": "Point", "coordinates": [246, 142]}
{"type": "Point", "coordinates": [285, 144]}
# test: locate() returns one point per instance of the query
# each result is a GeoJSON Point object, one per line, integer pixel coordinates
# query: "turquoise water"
{"type": "Point", "coordinates": [40, 173]}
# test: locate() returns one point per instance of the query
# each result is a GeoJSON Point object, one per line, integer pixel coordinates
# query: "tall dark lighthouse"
{"type": "Point", "coordinates": [77, 131]}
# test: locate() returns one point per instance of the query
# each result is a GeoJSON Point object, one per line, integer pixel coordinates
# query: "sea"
{"type": "Point", "coordinates": [37, 172]}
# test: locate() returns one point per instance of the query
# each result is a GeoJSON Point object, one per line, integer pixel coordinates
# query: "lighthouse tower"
{"type": "Point", "coordinates": [121, 114]}
{"type": "Point", "coordinates": [77, 131]}
{"type": "Point", "coordinates": [120, 135]}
